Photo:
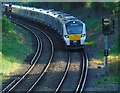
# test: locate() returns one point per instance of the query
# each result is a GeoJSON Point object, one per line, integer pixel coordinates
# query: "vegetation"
{"type": "Point", "coordinates": [111, 7]}
{"type": "Point", "coordinates": [15, 47]}
{"type": "Point", "coordinates": [0, 52]}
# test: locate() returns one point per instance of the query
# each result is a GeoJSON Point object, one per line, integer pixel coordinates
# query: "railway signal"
{"type": "Point", "coordinates": [108, 28]}
{"type": "Point", "coordinates": [10, 8]}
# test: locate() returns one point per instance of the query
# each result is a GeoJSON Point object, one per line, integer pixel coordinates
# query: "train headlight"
{"type": "Point", "coordinates": [75, 41]}
{"type": "Point", "coordinates": [66, 36]}
{"type": "Point", "coordinates": [83, 35]}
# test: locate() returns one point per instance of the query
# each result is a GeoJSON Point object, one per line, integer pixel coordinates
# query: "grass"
{"type": "Point", "coordinates": [0, 67]}
{"type": "Point", "coordinates": [89, 42]}
{"type": "Point", "coordinates": [0, 51]}
{"type": "Point", "coordinates": [108, 79]}
{"type": "Point", "coordinates": [9, 65]}
{"type": "Point", "coordinates": [16, 46]}
{"type": "Point", "coordinates": [0, 41]}
{"type": "Point", "coordinates": [91, 24]}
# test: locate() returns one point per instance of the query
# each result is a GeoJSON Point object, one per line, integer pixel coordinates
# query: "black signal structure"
{"type": "Point", "coordinates": [108, 27]}
{"type": "Point", "coordinates": [10, 8]}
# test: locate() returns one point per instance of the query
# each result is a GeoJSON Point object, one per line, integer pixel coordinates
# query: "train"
{"type": "Point", "coordinates": [71, 29]}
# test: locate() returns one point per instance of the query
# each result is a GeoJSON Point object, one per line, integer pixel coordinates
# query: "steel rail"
{"type": "Point", "coordinates": [83, 77]}
{"type": "Point", "coordinates": [9, 85]}
{"type": "Point", "coordinates": [65, 74]}
{"type": "Point", "coordinates": [48, 64]}
{"type": "Point", "coordinates": [35, 58]}
{"type": "Point", "coordinates": [38, 46]}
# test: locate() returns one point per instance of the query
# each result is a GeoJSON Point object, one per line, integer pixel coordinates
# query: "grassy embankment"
{"type": "Point", "coordinates": [95, 41]}
{"type": "Point", "coordinates": [16, 44]}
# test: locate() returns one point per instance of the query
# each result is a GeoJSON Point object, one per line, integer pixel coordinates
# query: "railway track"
{"type": "Point", "coordinates": [16, 82]}
{"type": "Point", "coordinates": [84, 72]}
{"type": "Point", "coordinates": [82, 76]}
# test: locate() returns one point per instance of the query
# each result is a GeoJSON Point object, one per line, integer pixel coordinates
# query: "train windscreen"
{"type": "Point", "coordinates": [74, 27]}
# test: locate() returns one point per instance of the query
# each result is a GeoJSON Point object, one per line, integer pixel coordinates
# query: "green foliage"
{"type": "Point", "coordinates": [14, 46]}
{"type": "Point", "coordinates": [101, 7]}
{"type": "Point", "coordinates": [97, 6]}
{"type": "Point", "coordinates": [90, 23]}
{"type": "Point", "coordinates": [112, 7]}
{"type": "Point", "coordinates": [114, 47]}
{"type": "Point", "coordinates": [108, 79]}
{"type": "Point", "coordinates": [88, 4]}
{"type": "Point", "coordinates": [66, 6]}
{"type": "Point", "coordinates": [118, 41]}
{"type": "Point", "coordinates": [0, 41]}
{"type": "Point", "coordinates": [10, 40]}
{"type": "Point", "coordinates": [7, 26]}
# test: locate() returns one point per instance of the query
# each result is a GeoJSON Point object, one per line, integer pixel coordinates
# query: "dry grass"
{"type": "Point", "coordinates": [111, 59]}
{"type": "Point", "coordinates": [113, 63]}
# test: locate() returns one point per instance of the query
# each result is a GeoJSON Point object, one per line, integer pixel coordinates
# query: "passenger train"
{"type": "Point", "coordinates": [71, 29]}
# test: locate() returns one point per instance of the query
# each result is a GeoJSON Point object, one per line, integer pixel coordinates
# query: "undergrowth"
{"type": "Point", "coordinates": [16, 45]}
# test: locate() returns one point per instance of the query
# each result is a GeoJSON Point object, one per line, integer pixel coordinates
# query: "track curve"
{"type": "Point", "coordinates": [34, 60]}
{"type": "Point", "coordinates": [83, 74]}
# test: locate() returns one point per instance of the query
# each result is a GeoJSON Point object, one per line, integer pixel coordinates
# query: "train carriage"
{"type": "Point", "coordinates": [71, 29]}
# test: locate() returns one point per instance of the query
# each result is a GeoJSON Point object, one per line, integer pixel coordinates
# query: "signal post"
{"type": "Point", "coordinates": [107, 29]}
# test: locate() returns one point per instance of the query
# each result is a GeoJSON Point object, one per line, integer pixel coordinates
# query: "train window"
{"type": "Point", "coordinates": [74, 28]}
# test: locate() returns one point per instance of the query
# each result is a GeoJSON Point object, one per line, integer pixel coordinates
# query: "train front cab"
{"type": "Point", "coordinates": [74, 35]}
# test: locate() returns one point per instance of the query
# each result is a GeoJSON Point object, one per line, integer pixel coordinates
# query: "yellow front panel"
{"type": "Point", "coordinates": [74, 36]}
